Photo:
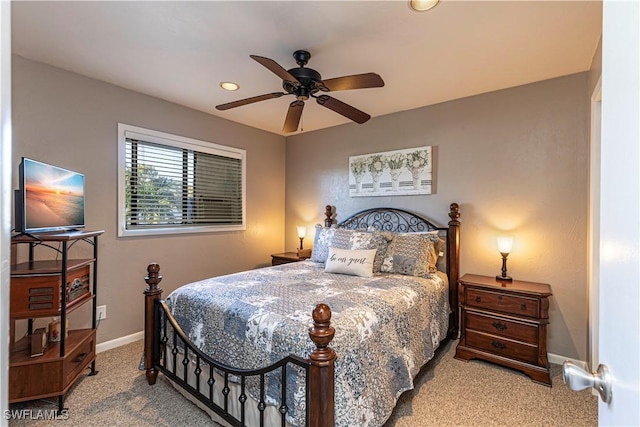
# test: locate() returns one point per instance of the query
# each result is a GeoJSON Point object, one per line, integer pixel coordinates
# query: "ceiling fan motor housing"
{"type": "Point", "coordinates": [307, 77]}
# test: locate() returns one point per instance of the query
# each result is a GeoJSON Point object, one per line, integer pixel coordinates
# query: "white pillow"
{"type": "Point", "coordinates": [355, 262]}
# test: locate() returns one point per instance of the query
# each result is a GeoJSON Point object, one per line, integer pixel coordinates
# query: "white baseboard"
{"type": "Point", "coordinates": [108, 345]}
{"type": "Point", "coordinates": [559, 360]}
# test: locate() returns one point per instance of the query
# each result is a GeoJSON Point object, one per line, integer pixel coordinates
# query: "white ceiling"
{"type": "Point", "coordinates": [181, 51]}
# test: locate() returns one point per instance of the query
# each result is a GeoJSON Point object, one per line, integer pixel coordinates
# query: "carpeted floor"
{"type": "Point", "coordinates": [448, 392]}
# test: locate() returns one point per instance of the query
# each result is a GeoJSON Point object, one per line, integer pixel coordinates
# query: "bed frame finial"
{"type": "Point", "coordinates": [151, 294]}
{"type": "Point", "coordinates": [153, 276]}
{"type": "Point", "coordinates": [454, 213]}
{"type": "Point", "coordinates": [328, 213]}
{"type": "Point", "coordinates": [321, 372]}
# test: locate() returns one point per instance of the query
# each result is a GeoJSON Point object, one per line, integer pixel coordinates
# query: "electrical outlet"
{"type": "Point", "coordinates": [101, 312]}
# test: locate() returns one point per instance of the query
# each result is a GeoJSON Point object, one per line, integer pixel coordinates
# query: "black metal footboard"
{"type": "Point", "coordinates": [171, 344]}
{"type": "Point", "coordinates": [221, 388]}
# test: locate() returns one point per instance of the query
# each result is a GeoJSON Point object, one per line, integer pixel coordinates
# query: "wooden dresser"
{"type": "Point", "coordinates": [505, 323]}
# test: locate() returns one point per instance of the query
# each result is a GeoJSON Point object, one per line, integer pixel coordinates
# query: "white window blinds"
{"type": "Point", "coordinates": [174, 184]}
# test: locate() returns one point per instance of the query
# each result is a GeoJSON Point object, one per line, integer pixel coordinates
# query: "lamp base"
{"type": "Point", "coordinates": [504, 278]}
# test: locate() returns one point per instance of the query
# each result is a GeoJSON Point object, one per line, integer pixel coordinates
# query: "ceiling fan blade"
{"type": "Point", "coordinates": [356, 81]}
{"type": "Point", "coordinates": [341, 108]}
{"type": "Point", "coordinates": [251, 100]}
{"type": "Point", "coordinates": [275, 68]}
{"type": "Point", "coordinates": [293, 116]}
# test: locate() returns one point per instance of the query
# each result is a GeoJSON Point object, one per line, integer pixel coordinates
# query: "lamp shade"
{"type": "Point", "coordinates": [504, 244]}
{"type": "Point", "coordinates": [302, 231]}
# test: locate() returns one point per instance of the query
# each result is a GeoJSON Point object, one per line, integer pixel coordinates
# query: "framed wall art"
{"type": "Point", "coordinates": [391, 173]}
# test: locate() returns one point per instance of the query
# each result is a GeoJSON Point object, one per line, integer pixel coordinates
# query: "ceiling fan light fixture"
{"type": "Point", "coordinates": [422, 5]}
{"type": "Point", "coordinates": [229, 86]}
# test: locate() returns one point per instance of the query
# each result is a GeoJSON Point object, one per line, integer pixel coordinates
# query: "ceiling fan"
{"type": "Point", "coordinates": [304, 83]}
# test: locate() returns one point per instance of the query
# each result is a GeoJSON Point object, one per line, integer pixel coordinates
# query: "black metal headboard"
{"type": "Point", "coordinates": [402, 221]}
{"type": "Point", "coordinates": [388, 219]}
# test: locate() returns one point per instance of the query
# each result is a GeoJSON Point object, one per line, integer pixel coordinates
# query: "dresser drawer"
{"type": "Point", "coordinates": [505, 328]}
{"type": "Point", "coordinates": [502, 346]}
{"type": "Point", "coordinates": [500, 301]}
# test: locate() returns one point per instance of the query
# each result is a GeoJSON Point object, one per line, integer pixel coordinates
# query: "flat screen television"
{"type": "Point", "coordinates": [49, 198]}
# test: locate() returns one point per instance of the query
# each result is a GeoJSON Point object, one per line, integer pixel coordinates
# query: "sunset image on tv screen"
{"type": "Point", "coordinates": [54, 197]}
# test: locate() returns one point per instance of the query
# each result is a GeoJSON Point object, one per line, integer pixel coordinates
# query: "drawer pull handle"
{"type": "Point", "coordinates": [499, 345]}
{"type": "Point", "coordinates": [500, 297]}
{"type": "Point", "coordinates": [80, 357]}
{"type": "Point", "coordinates": [523, 307]}
{"type": "Point", "coordinates": [499, 326]}
{"type": "Point", "coordinates": [477, 299]}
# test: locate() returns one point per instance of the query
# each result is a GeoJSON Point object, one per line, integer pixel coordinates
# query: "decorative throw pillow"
{"type": "Point", "coordinates": [417, 246]}
{"type": "Point", "coordinates": [354, 239]}
{"type": "Point", "coordinates": [321, 243]}
{"type": "Point", "coordinates": [355, 262]}
{"type": "Point", "coordinates": [404, 265]}
{"type": "Point", "coordinates": [437, 261]}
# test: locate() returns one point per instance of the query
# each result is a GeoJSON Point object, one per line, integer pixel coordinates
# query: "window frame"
{"type": "Point", "coordinates": [147, 135]}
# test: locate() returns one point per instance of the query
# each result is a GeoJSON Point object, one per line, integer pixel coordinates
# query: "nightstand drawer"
{"type": "Point", "coordinates": [505, 328]}
{"type": "Point", "coordinates": [513, 304]}
{"type": "Point", "coordinates": [502, 346]}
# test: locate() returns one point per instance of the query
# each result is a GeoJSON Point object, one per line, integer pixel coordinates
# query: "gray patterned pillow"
{"type": "Point", "coordinates": [404, 265]}
{"type": "Point", "coordinates": [415, 246]}
{"type": "Point", "coordinates": [321, 243]}
{"type": "Point", "coordinates": [354, 239]}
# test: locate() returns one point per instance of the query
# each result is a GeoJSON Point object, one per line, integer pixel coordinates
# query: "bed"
{"type": "Point", "coordinates": [321, 342]}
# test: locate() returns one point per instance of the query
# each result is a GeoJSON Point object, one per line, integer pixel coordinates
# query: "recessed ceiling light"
{"type": "Point", "coordinates": [229, 86]}
{"type": "Point", "coordinates": [422, 5]}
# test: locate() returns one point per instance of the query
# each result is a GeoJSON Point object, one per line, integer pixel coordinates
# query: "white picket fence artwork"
{"type": "Point", "coordinates": [391, 173]}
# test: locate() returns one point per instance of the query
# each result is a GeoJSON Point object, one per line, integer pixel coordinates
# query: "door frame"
{"type": "Point", "coordinates": [5, 200]}
{"type": "Point", "coordinates": [593, 234]}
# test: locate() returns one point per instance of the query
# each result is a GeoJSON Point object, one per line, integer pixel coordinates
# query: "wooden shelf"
{"type": "Point", "coordinates": [49, 266]}
{"type": "Point", "coordinates": [19, 355]}
{"type": "Point", "coordinates": [55, 236]}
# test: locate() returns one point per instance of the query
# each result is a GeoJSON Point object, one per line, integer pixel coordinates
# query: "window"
{"type": "Point", "coordinates": [171, 184]}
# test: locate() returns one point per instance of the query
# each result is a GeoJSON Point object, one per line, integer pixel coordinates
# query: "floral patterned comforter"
{"type": "Point", "coordinates": [387, 328]}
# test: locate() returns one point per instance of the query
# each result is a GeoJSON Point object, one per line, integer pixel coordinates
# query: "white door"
{"type": "Point", "coordinates": [619, 329]}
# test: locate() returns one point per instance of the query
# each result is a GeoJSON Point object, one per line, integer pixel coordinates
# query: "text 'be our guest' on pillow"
{"type": "Point", "coordinates": [355, 262]}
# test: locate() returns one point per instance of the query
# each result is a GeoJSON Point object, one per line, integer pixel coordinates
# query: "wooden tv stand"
{"type": "Point", "coordinates": [37, 291]}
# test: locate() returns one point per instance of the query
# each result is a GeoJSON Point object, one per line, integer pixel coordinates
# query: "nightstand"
{"type": "Point", "coordinates": [284, 258]}
{"type": "Point", "coordinates": [505, 323]}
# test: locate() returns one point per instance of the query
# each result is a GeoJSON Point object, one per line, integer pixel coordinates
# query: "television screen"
{"type": "Point", "coordinates": [50, 198]}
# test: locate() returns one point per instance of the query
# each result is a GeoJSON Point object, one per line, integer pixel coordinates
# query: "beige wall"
{"type": "Point", "coordinates": [515, 160]}
{"type": "Point", "coordinates": [71, 121]}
